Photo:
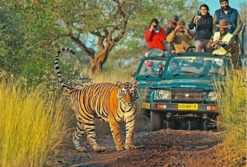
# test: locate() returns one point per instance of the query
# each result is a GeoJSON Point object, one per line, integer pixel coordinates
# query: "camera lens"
{"type": "Point", "coordinates": [155, 26]}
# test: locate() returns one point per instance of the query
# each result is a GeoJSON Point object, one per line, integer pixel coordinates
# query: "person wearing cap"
{"type": "Point", "coordinates": [203, 23]}
{"type": "Point", "coordinates": [224, 43]}
{"type": "Point", "coordinates": [171, 26]}
{"type": "Point", "coordinates": [229, 14]}
{"type": "Point", "coordinates": [155, 36]}
{"type": "Point", "coordinates": [180, 37]}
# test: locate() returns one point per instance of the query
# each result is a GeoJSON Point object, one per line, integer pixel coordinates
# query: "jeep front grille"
{"type": "Point", "coordinates": [179, 95]}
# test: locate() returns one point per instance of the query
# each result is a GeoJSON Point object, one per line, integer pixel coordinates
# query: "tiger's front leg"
{"type": "Point", "coordinates": [130, 128]}
{"type": "Point", "coordinates": [116, 134]}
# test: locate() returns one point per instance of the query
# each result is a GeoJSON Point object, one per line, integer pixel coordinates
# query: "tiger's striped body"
{"type": "Point", "coordinates": [110, 102]}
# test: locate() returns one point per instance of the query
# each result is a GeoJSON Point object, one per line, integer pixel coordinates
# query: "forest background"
{"type": "Point", "coordinates": [106, 35]}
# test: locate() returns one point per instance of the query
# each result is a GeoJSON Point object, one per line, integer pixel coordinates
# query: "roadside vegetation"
{"type": "Point", "coordinates": [233, 105]}
{"type": "Point", "coordinates": [33, 124]}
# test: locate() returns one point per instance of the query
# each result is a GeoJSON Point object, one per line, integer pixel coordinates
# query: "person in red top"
{"type": "Point", "coordinates": [155, 36]}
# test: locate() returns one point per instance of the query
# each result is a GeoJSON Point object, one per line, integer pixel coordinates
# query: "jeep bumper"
{"type": "Point", "coordinates": [181, 107]}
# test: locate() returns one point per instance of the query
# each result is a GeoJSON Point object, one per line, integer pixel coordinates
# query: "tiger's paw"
{"type": "Point", "coordinates": [120, 148]}
{"type": "Point", "coordinates": [98, 149]}
{"type": "Point", "coordinates": [82, 149]}
{"type": "Point", "coordinates": [130, 147]}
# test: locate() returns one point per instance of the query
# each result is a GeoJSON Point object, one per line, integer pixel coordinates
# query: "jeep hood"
{"type": "Point", "coordinates": [185, 83]}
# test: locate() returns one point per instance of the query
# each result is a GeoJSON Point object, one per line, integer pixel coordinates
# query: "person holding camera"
{"type": "Point", "coordinates": [180, 37]}
{"type": "Point", "coordinates": [171, 26]}
{"type": "Point", "coordinates": [203, 23]}
{"type": "Point", "coordinates": [224, 43]}
{"type": "Point", "coordinates": [155, 36]}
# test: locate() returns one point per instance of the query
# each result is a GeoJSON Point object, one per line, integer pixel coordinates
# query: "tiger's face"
{"type": "Point", "coordinates": [128, 93]}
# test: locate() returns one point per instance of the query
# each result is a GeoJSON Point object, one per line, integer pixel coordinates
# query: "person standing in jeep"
{"type": "Point", "coordinates": [224, 43]}
{"type": "Point", "coordinates": [233, 17]}
{"type": "Point", "coordinates": [203, 23]}
{"type": "Point", "coordinates": [170, 27]}
{"type": "Point", "coordinates": [155, 36]}
{"type": "Point", "coordinates": [229, 14]}
{"type": "Point", "coordinates": [180, 37]}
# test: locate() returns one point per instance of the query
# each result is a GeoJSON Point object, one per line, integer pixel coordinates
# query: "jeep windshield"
{"type": "Point", "coordinates": [152, 67]}
{"type": "Point", "coordinates": [150, 70]}
{"type": "Point", "coordinates": [195, 66]}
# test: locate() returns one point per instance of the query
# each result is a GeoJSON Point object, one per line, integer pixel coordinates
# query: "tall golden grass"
{"type": "Point", "coordinates": [233, 104]}
{"type": "Point", "coordinates": [32, 124]}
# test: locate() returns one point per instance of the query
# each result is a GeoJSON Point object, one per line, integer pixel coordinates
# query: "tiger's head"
{"type": "Point", "coordinates": [128, 93]}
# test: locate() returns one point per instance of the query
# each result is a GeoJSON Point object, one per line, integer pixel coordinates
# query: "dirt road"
{"type": "Point", "coordinates": [168, 148]}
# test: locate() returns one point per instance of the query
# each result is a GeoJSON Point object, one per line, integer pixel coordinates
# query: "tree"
{"type": "Point", "coordinates": [108, 22]}
{"type": "Point", "coordinates": [113, 18]}
{"type": "Point", "coordinates": [22, 53]}
{"type": "Point", "coordinates": [95, 26]}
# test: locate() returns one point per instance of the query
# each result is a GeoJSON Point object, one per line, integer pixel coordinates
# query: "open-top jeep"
{"type": "Point", "coordinates": [184, 98]}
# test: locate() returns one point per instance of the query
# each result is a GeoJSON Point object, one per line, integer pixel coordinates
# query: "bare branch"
{"type": "Point", "coordinates": [89, 51]}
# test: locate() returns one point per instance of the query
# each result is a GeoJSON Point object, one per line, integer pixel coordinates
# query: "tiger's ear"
{"type": "Point", "coordinates": [119, 84]}
{"type": "Point", "coordinates": [136, 83]}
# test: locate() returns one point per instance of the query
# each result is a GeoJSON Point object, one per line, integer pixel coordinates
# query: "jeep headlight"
{"type": "Point", "coordinates": [164, 94]}
{"type": "Point", "coordinates": [212, 96]}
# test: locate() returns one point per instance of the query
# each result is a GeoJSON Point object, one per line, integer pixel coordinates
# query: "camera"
{"type": "Point", "coordinates": [155, 26]}
{"type": "Point", "coordinates": [198, 17]}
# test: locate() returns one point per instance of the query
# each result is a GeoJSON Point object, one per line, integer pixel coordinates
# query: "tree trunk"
{"type": "Point", "coordinates": [95, 67]}
{"type": "Point", "coordinates": [97, 62]}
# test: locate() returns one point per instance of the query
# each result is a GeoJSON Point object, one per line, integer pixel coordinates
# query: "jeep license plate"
{"type": "Point", "coordinates": [188, 106]}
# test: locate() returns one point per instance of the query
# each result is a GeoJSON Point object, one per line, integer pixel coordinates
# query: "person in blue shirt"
{"type": "Point", "coordinates": [229, 14]}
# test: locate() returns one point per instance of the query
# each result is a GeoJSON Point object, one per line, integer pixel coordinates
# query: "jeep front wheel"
{"type": "Point", "coordinates": [156, 121]}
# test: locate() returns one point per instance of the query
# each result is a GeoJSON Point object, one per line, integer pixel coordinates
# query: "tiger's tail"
{"type": "Point", "coordinates": [57, 69]}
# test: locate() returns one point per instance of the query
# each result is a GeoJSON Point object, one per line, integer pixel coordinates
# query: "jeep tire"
{"type": "Point", "coordinates": [156, 121]}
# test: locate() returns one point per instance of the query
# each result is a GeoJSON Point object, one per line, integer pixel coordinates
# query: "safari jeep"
{"type": "Point", "coordinates": [185, 98]}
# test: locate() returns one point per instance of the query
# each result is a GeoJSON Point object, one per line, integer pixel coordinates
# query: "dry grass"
{"type": "Point", "coordinates": [233, 104]}
{"type": "Point", "coordinates": [32, 124]}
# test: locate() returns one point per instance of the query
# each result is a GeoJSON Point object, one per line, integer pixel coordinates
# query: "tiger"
{"type": "Point", "coordinates": [109, 102]}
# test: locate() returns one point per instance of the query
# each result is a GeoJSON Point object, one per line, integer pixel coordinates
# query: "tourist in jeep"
{"type": "Point", "coordinates": [180, 37]}
{"type": "Point", "coordinates": [173, 67]}
{"type": "Point", "coordinates": [155, 36]}
{"type": "Point", "coordinates": [223, 43]}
